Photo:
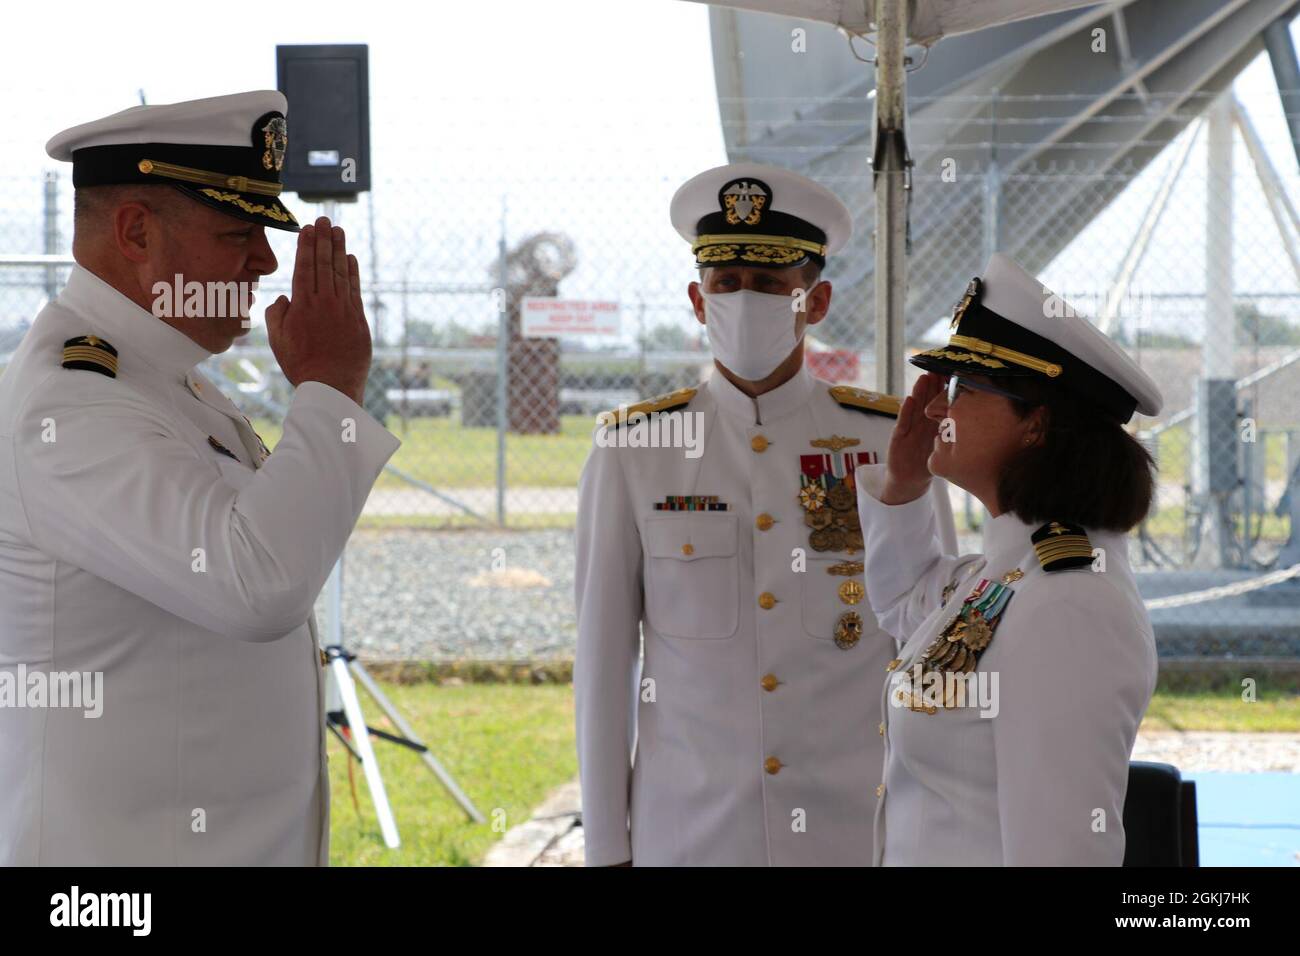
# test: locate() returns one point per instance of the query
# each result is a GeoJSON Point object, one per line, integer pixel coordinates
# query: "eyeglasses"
{"type": "Point", "coordinates": [956, 383]}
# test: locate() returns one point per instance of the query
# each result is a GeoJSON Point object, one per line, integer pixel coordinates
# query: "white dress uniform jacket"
{"type": "Point", "coordinates": [210, 748]}
{"type": "Point", "coordinates": [1041, 780]}
{"type": "Point", "coordinates": [755, 734]}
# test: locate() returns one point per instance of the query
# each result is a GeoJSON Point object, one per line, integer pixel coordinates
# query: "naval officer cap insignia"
{"type": "Point", "coordinates": [748, 214]}
{"type": "Point", "coordinates": [91, 354]}
{"type": "Point", "coordinates": [225, 151]}
{"type": "Point", "coordinates": [1008, 324]}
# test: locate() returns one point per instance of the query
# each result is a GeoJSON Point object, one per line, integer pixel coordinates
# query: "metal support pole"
{"type": "Point", "coordinates": [890, 181]}
{"type": "Point", "coordinates": [1279, 203]}
{"type": "Point", "coordinates": [405, 729]}
{"type": "Point", "coordinates": [1215, 446]}
{"type": "Point", "coordinates": [51, 232]}
{"type": "Point", "coordinates": [1119, 287]}
{"type": "Point", "coordinates": [503, 366]}
{"type": "Point", "coordinates": [993, 187]}
{"type": "Point", "coordinates": [1281, 54]}
{"type": "Point", "coordinates": [376, 303]}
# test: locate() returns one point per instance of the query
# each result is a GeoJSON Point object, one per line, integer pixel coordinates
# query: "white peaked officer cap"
{"type": "Point", "coordinates": [1009, 324]}
{"type": "Point", "coordinates": [225, 151]}
{"type": "Point", "coordinates": [748, 214]}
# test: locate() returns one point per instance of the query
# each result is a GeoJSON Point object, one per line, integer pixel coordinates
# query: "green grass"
{"type": "Point", "coordinates": [507, 746]}
{"type": "Point", "coordinates": [442, 453]}
{"type": "Point", "coordinates": [1174, 454]}
{"type": "Point", "coordinates": [1272, 712]}
{"type": "Point", "coordinates": [1171, 521]}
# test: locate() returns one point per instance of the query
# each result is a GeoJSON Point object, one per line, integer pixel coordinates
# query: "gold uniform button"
{"type": "Point", "coordinates": [688, 549]}
{"type": "Point", "coordinates": [766, 601]}
{"type": "Point", "coordinates": [764, 521]}
{"type": "Point", "coordinates": [324, 659]}
{"type": "Point", "coordinates": [769, 682]}
{"type": "Point", "coordinates": [758, 443]}
{"type": "Point", "coordinates": [881, 728]}
{"type": "Point", "coordinates": [880, 790]}
{"type": "Point", "coordinates": [893, 664]}
{"type": "Point", "coordinates": [772, 765]}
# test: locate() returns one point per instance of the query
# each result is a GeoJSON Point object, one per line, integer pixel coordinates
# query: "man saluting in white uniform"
{"type": "Point", "coordinates": [739, 556]}
{"type": "Point", "coordinates": [145, 534]}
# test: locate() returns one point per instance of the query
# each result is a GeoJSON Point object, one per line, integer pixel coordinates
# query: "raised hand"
{"type": "Point", "coordinates": [908, 477]}
{"type": "Point", "coordinates": [321, 334]}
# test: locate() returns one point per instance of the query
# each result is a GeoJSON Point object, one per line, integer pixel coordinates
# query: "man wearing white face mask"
{"type": "Point", "coordinates": [751, 734]}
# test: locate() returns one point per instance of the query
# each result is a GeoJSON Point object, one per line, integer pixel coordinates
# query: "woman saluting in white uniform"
{"type": "Point", "coordinates": [1010, 714]}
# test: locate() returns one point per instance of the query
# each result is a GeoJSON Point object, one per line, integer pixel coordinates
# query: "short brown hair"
{"type": "Point", "coordinates": [91, 202]}
{"type": "Point", "coordinates": [1086, 469]}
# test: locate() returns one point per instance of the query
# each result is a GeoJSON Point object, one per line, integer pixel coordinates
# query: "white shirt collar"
{"type": "Point", "coordinates": [1006, 539]}
{"type": "Point", "coordinates": [766, 408]}
{"type": "Point", "coordinates": [130, 329]}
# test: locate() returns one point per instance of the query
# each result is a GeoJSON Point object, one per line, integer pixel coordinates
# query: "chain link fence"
{"type": "Point", "coordinates": [1189, 259]}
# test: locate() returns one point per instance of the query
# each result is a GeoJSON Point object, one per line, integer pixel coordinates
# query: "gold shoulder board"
{"type": "Point", "coordinates": [90, 353]}
{"type": "Point", "coordinates": [1061, 546]}
{"type": "Point", "coordinates": [660, 403]}
{"type": "Point", "coordinates": [872, 403]}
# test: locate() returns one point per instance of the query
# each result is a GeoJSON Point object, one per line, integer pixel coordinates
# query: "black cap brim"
{"type": "Point", "coordinates": [952, 360]}
{"type": "Point", "coordinates": [251, 207]}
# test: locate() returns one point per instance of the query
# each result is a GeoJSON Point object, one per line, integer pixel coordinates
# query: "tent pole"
{"type": "Point", "coordinates": [890, 176]}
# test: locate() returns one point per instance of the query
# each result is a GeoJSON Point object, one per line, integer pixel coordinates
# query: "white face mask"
{"type": "Point", "coordinates": [751, 333]}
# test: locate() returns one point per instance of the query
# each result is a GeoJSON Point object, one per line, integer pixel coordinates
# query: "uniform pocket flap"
{"type": "Point", "coordinates": [691, 537]}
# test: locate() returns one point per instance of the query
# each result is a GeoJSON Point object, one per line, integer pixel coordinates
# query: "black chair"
{"type": "Point", "coordinates": [1159, 817]}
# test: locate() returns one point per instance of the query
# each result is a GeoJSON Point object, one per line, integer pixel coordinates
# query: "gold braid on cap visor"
{"type": "Point", "coordinates": [740, 238]}
{"type": "Point", "coordinates": [1050, 369]}
{"type": "Point", "coordinates": [151, 167]}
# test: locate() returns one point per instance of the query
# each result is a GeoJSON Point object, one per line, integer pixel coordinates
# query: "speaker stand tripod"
{"type": "Point", "coordinates": [343, 711]}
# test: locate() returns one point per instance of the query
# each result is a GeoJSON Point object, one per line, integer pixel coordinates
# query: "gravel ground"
{"type": "Point", "coordinates": [441, 595]}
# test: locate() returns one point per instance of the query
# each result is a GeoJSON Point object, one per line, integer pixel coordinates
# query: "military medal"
{"type": "Point", "coordinates": [835, 442]}
{"type": "Point", "coordinates": [851, 591]}
{"type": "Point", "coordinates": [821, 539]}
{"type": "Point", "coordinates": [841, 497]}
{"type": "Point", "coordinates": [848, 630]}
{"type": "Point", "coordinates": [828, 494]}
{"type": "Point", "coordinates": [819, 519]}
{"type": "Point", "coordinates": [812, 497]}
{"type": "Point", "coordinates": [964, 639]}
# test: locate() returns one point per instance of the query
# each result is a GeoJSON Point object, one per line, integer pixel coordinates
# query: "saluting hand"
{"type": "Point", "coordinates": [907, 476]}
{"type": "Point", "coordinates": [321, 335]}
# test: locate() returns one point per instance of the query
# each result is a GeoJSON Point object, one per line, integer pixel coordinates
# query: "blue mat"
{"type": "Point", "coordinates": [1248, 819]}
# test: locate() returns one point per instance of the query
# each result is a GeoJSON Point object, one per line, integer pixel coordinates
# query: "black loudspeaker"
{"type": "Point", "coordinates": [328, 89]}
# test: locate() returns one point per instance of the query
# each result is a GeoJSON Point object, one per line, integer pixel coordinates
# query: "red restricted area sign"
{"type": "Point", "coordinates": [559, 317]}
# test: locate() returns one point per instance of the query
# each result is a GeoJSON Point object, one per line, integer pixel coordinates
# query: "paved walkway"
{"type": "Point", "coordinates": [553, 837]}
